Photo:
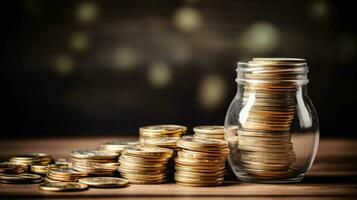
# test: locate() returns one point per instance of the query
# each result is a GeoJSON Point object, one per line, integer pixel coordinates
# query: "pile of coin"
{"type": "Point", "coordinates": [145, 165]}
{"type": "Point", "coordinates": [162, 131]}
{"type": "Point", "coordinates": [209, 131]}
{"type": "Point", "coordinates": [200, 162]}
{"type": "Point", "coordinates": [32, 159]}
{"type": "Point", "coordinates": [264, 141]}
{"type": "Point", "coordinates": [95, 162]}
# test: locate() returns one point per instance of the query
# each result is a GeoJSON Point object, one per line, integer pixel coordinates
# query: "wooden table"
{"type": "Point", "coordinates": [333, 176]}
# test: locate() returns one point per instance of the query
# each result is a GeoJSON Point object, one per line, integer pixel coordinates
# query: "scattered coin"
{"type": "Point", "coordinates": [62, 186]}
{"type": "Point", "coordinates": [13, 168]}
{"type": "Point", "coordinates": [20, 178]}
{"type": "Point", "coordinates": [104, 182]}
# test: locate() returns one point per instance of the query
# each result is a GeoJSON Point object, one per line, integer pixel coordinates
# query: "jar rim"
{"type": "Point", "coordinates": [273, 70]}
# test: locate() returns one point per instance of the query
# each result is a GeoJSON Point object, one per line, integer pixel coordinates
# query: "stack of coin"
{"type": "Point", "coordinates": [200, 162]}
{"type": "Point", "coordinates": [95, 162]}
{"type": "Point", "coordinates": [117, 146]}
{"type": "Point", "coordinates": [32, 158]}
{"type": "Point", "coordinates": [145, 165]}
{"type": "Point", "coordinates": [165, 142]}
{"type": "Point", "coordinates": [64, 174]}
{"type": "Point", "coordinates": [214, 132]}
{"type": "Point", "coordinates": [160, 131]}
{"type": "Point", "coordinates": [209, 131]}
{"type": "Point", "coordinates": [264, 141]}
{"type": "Point", "coordinates": [13, 168]}
{"type": "Point", "coordinates": [20, 178]}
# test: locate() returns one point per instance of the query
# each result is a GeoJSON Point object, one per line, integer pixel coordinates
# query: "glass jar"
{"type": "Point", "coordinates": [271, 125]}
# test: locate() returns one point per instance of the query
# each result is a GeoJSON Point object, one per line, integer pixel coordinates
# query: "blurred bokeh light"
{"type": "Point", "coordinates": [108, 67]}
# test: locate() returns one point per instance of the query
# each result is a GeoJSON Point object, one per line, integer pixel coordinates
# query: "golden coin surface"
{"type": "Point", "coordinates": [199, 144]}
{"type": "Point", "coordinates": [106, 182]}
{"type": "Point", "coordinates": [13, 168]}
{"type": "Point", "coordinates": [94, 154]}
{"type": "Point", "coordinates": [63, 186]}
{"type": "Point", "coordinates": [209, 129]}
{"type": "Point", "coordinates": [148, 151]}
{"type": "Point", "coordinates": [163, 128]}
{"type": "Point", "coordinates": [20, 178]}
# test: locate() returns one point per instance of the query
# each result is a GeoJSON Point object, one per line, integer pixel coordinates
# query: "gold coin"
{"type": "Point", "coordinates": [163, 129]}
{"type": "Point", "coordinates": [162, 141]}
{"type": "Point", "coordinates": [118, 146]}
{"type": "Point", "coordinates": [202, 144]}
{"type": "Point", "coordinates": [20, 178]}
{"type": "Point", "coordinates": [63, 186]}
{"type": "Point", "coordinates": [94, 154]}
{"type": "Point", "coordinates": [39, 169]}
{"type": "Point", "coordinates": [148, 152]}
{"type": "Point", "coordinates": [105, 182]}
{"type": "Point", "coordinates": [214, 129]}
{"type": "Point", "coordinates": [13, 168]}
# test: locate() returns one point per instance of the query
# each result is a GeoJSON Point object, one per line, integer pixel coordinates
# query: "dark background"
{"type": "Point", "coordinates": [108, 67]}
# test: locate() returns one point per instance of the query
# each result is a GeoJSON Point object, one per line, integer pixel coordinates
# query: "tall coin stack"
{"type": "Point", "coordinates": [95, 162]}
{"type": "Point", "coordinates": [145, 165]}
{"type": "Point", "coordinates": [200, 162]}
{"type": "Point", "coordinates": [214, 132]}
{"type": "Point", "coordinates": [264, 141]}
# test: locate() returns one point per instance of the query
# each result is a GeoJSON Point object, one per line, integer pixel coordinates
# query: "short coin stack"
{"type": "Point", "coordinates": [145, 165]}
{"type": "Point", "coordinates": [266, 151]}
{"type": "Point", "coordinates": [95, 162]}
{"type": "Point", "coordinates": [32, 159]}
{"type": "Point", "coordinates": [64, 174]}
{"type": "Point", "coordinates": [200, 162]}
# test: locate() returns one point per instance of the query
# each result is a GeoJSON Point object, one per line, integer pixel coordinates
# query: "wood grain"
{"type": "Point", "coordinates": [333, 176]}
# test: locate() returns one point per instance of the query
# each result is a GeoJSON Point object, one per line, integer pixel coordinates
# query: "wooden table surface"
{"type": "Point", "coordinates": [333, 176]}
